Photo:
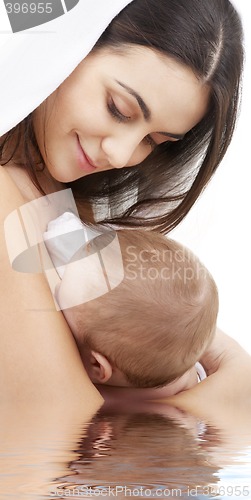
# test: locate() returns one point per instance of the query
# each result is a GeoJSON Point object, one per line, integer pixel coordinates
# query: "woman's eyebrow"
{"type": "Point", "coordinates": [143, 106]}
{"type": "Point", "coordinates": [145, 109]}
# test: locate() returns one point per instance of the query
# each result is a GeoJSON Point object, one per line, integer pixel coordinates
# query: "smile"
{"type": "Point", "coordinates": [83, 160]}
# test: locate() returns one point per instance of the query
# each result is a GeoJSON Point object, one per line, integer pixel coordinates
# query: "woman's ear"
{"type": "Point", "coordinates": [100, 370]}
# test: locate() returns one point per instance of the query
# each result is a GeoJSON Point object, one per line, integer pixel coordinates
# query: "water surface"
{"type": "Point", "coordinates": [149, 452]}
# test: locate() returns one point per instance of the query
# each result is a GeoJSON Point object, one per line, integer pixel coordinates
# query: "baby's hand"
{"type": "Point", "coordinates": [187, 381]}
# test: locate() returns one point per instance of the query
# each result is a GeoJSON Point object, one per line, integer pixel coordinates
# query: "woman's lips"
{"type": "Point", "coordinates": [83, 160]}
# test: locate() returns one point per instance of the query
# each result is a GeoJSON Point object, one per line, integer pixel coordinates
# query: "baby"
{"type": "Point", "coordinates": [152, 322]}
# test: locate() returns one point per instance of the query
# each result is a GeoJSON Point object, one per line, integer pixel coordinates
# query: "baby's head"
{"type": "Point", "coordinates": [152, 327]}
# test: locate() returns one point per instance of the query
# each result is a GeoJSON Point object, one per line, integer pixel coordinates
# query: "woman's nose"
{"type": "Point", "coordinates": [124, 151]}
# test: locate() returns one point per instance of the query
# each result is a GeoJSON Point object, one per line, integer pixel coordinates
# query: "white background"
{"type": "Point", "coordinates": [218, 228]}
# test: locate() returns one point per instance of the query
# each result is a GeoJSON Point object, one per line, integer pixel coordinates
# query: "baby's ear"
{"type": "Point", "coordinates": [100, 369]}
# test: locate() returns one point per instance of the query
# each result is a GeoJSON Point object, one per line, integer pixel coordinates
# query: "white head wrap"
{"type": "Point", "coordinates": [33, 63]}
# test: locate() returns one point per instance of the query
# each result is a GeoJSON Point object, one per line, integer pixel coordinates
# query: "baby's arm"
{"type": "Point", "coordinates": [185, 382]}
{"type": "Point", "coordinates": [227, 388]}
{"type": "Point", "coordinates": [220, 352]}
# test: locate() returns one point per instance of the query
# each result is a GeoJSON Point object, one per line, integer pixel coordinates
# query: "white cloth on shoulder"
{"type": "Point", "coordinates": [201, 373]}
{"type": "Point", "coordinates": [92, 255]}
{"type": "Point", "coordinates": [65, 235]}
{"type": "Point", "coordinates": [34, 62]}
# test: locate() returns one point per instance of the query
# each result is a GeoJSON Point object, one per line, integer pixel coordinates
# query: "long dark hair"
{"type": "Point", "coordinates": [205, 35]}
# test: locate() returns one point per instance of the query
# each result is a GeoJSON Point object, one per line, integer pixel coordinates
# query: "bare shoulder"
{"type": "Point", "coordinates": [38, 356]}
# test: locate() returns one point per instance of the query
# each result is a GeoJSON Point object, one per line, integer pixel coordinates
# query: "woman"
{"type": "Point", "coordinates": [170, 117]}
{"type": "Point", "coordinates": [159, 93]}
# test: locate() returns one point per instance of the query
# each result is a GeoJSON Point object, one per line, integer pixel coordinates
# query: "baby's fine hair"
{"type": "Point", "coordinates": [158, 321]}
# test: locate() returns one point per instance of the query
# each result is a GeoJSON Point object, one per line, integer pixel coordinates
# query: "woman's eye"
{"type": "Point", "coordinates": [114, 111]}
{"type": "Point", "coordinates": [150, 142]}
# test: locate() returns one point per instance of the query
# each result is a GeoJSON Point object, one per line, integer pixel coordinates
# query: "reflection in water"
{"type": "Point", "coordinates": [154, 451]}
{"type": "Point", "coordinates": [148, 455]}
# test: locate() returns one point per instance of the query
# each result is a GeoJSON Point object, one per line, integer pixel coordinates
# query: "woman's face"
{"type": "Point", "coordinates": [114, 109]}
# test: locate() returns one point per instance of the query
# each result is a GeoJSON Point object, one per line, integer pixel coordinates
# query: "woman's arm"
{"type": "Point", "coordinates": [39, 361]}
